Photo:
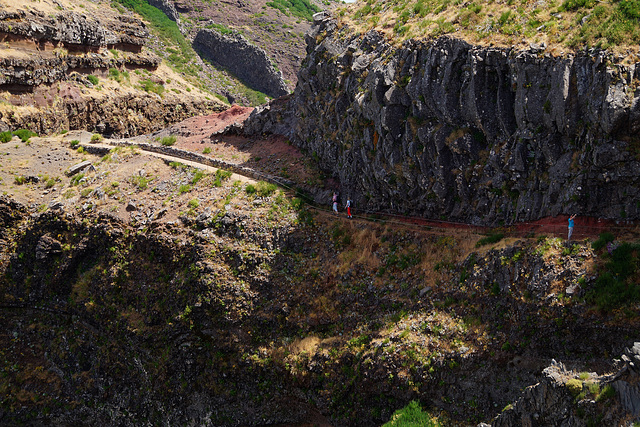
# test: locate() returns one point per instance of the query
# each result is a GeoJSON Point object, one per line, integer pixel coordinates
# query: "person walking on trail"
{"type": "Point", "coordinates": [335, 203]}
{"type": "Point", "coordinates": [571, 218]}
{"type": "Point", "coordinates": [348, 207]}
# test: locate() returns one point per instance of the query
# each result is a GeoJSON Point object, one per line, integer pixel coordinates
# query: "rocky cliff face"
{"type": "Point", "coordinates": [250, 63]}
{"type": "Point", "coordinates": [480, 134]}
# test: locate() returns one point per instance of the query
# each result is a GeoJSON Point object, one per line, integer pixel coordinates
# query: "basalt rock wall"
{"type": "Point", "coordinates": [486, 135]}
{"type": "Point", "coordinates": [250, 63]}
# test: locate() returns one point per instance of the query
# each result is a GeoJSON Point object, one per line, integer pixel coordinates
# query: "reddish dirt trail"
{"type": "Point", "coordinates": [274, 155]}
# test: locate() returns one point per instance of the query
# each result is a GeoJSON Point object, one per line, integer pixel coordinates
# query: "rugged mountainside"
{"type": "Point", "coordinates": [69, 67]}
{"type": "Point", "coordinates": [146, 291]}
{"type": "Point", "coordinates": [280, 33]}
{"type": "Point", "coordinates": [136, 289]}
{"type": "Point", "coordinates": [478, 134]}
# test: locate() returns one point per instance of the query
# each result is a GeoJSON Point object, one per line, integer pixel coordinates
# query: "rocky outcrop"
{"type": "Point", "coordinates": [49, 58]}
{"type": "Point", "coordinates": [568, 398]}
{"type": "Point", "coordinates": [478, 134]}
{"type": "Point", "coordinates": [58, 44]}
{"type": "Point", "coordinates": [73, 30]}
{"type": "Point", "coordinates": [248, 62]}
{"type": "Point", "coordinates": [49, 68]}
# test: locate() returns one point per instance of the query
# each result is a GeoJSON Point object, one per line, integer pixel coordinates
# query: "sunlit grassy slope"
{"type": "Point", "coordinates": [563, 25]}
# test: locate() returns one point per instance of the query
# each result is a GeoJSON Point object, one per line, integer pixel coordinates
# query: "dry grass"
{"type": "Point", "coordinates": [501, 23]}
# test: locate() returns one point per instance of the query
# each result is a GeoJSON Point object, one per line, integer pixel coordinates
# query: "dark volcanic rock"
{"type": "Point", "coordinates": [477, 134]}
{"type": "Point", "coordinates": [250, 63]}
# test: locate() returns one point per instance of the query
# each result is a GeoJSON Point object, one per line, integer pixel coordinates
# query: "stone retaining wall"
{"type": "Point", "coordinates": [194, 157]}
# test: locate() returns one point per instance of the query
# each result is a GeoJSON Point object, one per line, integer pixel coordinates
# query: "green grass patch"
{"type": "Point", "coordinates": [412, 415]}
{"type": "Point", "coordinates": [265, 189]}
{"type": "Point", "coordinates": [168, 141]}
{"type": "Point", "coordinates": [76, 179]}
{"type": "Point", "coordinates": [141, 182]}
{"type": "Point", "coordinates": [117, 75]}
{"type": "Point", "coordinates": [222, 29]}
{"type": "Point", "coordinates": [300, 8]}
{"type": "Point", "coordinates": [150, 86]}
{"type": "Point", "coordinates": [221, 176]}
{"type": "Point", "coordinates": [197, 176]}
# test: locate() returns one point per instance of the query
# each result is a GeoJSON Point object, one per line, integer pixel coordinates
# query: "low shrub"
{"type": "Point", "coordinates": [576, 4]}
{"type": "Point", "coordinates": [221, 176]}
{"type": "Point", "coordinates": [24, 134]}
{"type": "Point", "coordinates": [92, 79]}
{"type": "Point", "coordinates": [574, 386]}
{"type": "Point", "coordinates": [96, 137]}
{"type": "Point", "coordinates": [74, 143]}
{"type": "Point", "coordinates": [142, 182]}
{"type": "Point", "coordinates": [150, 86]}
{"type": "Point", "coordinates": [168, 140]}
{"type": "Point", "coordinates": [6, 136]}
{"type": "Point", "coordinates": [602, 241]}
{"type": "Point", "coordinates": [490, 239]}
{"type": "Point", "coordinates": [618, 283]}
{"type": "Point", "coordinates": [197, 176]}
{"type": "Point", "coordinates": [265, 189]}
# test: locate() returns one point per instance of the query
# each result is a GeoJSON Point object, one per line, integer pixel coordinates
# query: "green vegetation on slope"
{"type": "Point", "coordinates": [569, 24]}
{"type": "Point", "coordinates": [168, 31]}
{"type": "Point", "coordinates": [618, 282]}
{"type": "Point", "coordinates": [411, 416]}
{"type": "Point", "coordinates": [299, 8]}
